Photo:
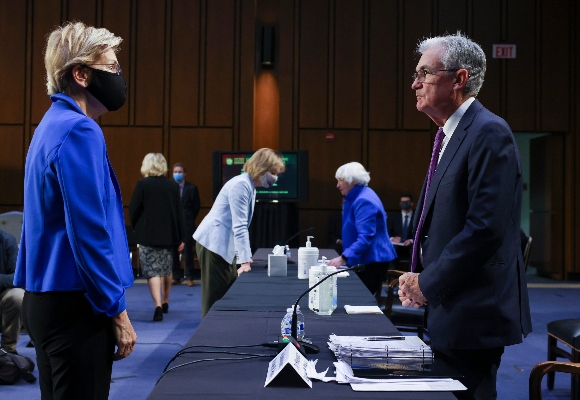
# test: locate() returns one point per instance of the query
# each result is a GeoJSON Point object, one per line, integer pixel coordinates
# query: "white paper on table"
{"type": "Point", "coordinates": [344, 374]}
{"type": "Point", "coordinates": [414, 386]}
{"type": "Point", "coordinates": [321, 376]}
{"type": "Point", "coordinates": [362, 309]}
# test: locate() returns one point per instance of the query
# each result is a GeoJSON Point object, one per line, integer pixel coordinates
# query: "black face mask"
{"type": "Point", "coordinates": [405, 205]}
{"type": "Point", "coordinates": [109, 88]}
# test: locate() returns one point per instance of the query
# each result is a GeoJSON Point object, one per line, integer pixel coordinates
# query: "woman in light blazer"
{"type": "Point", "coordinates": [223, 233]}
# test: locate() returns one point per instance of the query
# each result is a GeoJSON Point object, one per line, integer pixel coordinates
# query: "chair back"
{"type": "Point", "coordinates": [11, 222]}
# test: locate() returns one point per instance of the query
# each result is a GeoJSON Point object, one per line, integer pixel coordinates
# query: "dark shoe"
{"type": "Point", "coordinates": [190, 283]}
{"type": "Point", "coordinates": [158, 316]}
{"type": "Point", "coordinates": [165, 308]}
{"type": "Point", "coordinates": [176, 282]}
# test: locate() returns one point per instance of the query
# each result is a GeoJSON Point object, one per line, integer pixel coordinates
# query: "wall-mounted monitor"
{"type": "Point", "coordinates": [292, 184]}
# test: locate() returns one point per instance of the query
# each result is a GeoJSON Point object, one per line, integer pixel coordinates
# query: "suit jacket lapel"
{"type": "Point", "coordinates": [452, 146]}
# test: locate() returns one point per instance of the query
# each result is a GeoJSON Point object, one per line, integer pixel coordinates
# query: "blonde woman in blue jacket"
{"type": "Point", "coordinates": [223, 233]}
{"type": "Point", "coordinates": [74, 260]}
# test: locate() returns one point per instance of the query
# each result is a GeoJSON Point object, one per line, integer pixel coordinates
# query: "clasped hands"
{"type": "Point", "coordinates": [409, 292]}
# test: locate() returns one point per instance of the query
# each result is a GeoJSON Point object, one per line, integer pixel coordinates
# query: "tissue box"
{"type": "Point", "coordinates": [277, 265]}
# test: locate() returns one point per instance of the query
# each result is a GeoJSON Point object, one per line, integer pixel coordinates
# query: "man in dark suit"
{"type": "Point", "coordinates": [400, 227]}
{"type": "Point", "coordinates": [191, 204]}
{"type": "Point", "coordinates": [467, 223]}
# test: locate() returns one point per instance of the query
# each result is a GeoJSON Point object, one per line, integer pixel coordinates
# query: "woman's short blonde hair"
{"type": "Point", "coordinates": [353, 172]}
{"type": "Point", "coordinates": [262, 161]}
{"type": "Point", "coordinates": [71, 44]}
{"type": "Point", "coordinates": [154, 164]}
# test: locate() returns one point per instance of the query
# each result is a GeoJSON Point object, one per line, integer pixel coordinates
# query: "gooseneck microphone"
{"type": "Point", "coordinates": [355, 268]}
{"type": "Point", "coordinates": [302, 231]}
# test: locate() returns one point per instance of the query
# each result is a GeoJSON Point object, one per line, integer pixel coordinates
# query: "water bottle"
{"type": "Point", "coordinates": [286, 325]}
{"type": "Point", "coordinates": [288, 253]}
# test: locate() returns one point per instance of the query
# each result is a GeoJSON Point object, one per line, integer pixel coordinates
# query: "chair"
{"type": "Point", "coordinates": [567, 332]}
{"type": "Point", "coordinates": [405, 319]}
{"type": "Point", "coordinates": [549, 367]}
{"type": "Point", "coordinates": [11, 222]}
{"type": "Point", "coordinates": [527, 253]}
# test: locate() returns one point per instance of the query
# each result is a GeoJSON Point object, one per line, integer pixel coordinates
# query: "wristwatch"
{"type": "Point", "coordinates": [345, 258]}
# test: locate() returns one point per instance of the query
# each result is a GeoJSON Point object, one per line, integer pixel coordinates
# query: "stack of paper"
{"type": "Point", "coordinates": [349, 348]}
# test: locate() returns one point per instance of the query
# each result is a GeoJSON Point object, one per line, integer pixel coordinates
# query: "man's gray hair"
{"type": "Point", "coordinates": [460, 52]}
{"type": "Point", "coordinates": [353, 172]}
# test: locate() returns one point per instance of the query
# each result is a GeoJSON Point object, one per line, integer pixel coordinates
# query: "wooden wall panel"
{"type": "Point", "coordinates": [127, 146]}
{"type": "Point", "coordinates": [348, 64]}
{"type": "Point", "coordinates": [244, 112]}
{"type": "Point", "coordinates": [416, 25]}
{"type": "Point", "coordinates": [149, 63]}
{"type": "Point", "coordinates": [324, 158]}
{"type": "Point", "coordinates": [185, 59]}
{"type": "Point", "coordinates": [11, 162]}
{"type": "Point", "coordinates": [82, 10]}
{"type": "Point", "coordinates": [194, 148]}
{"type": "Point", "coordinates": [383, 72]}
{"type": "Point", "coordinates": [451, 16]}
{"type": "Point", "coordinates": [398, 163]}
{"type": "Point", "coordinates": [487, 31]}
{"type": "Point", "coordinates": [313, 57]}
{"type": "Point", "coordinates": [13, 60]}
{"type": "Point", "coordinates": [45, 16]}
{"type": "Point", "coordinates": [555, 76]}
{"type": "Point", "coordinates": [520, 88]}
{"type": "Point", "coordinates": [319, 220]}
{"type": "Point", "coordinates": [285, 69]}
{"type": "Point", "coordinates": [117, 19]}
{"type": "Point", "coordinates": [219, 64]}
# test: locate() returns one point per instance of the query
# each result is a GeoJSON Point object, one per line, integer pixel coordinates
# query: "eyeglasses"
{"type": "Point", "coordinates": [420, 75]}
{"type": "Point", "coordinates": [114, 68]}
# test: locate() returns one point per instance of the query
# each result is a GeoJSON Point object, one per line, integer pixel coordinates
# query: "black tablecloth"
{"type": "Point", "coordinates": [250, 313]}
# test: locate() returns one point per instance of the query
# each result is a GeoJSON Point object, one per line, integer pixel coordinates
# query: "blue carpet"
{"type": "Point", "coordinates": [135, 377]}
{"type": "Point", "coordinates": [157, 343]}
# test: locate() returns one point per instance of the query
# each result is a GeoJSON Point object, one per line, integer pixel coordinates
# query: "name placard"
{"type": "Point", "coordinates": [288, 368]}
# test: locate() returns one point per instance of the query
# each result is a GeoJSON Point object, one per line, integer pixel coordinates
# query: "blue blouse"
{"type": "Point", "coordinates": [73, 235]}
{"type": "Point", "coordinates": [364, 228]}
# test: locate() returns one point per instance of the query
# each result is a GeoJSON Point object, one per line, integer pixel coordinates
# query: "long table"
{"type": "Point", "coordinates": [250, 313]}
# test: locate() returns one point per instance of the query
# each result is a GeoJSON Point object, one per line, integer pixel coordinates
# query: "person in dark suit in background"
{"type": "Point", "coordinates": [400, 227]}
{"type": "Point", "coordinates": [190, 201]}
{"type": "Point", "coordinates": [468, 221]}
{"type": "Point", "coordinates": [335, 230]}
{"type": "Point", "coordinates": [156, 215]}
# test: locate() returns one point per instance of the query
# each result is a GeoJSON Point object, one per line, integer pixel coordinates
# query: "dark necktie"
{"type": "Point", "coordinates": [432, 166]}
{"type": "Point", "coordinates": [405, 228]}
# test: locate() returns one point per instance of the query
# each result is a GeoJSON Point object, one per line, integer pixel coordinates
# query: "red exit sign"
{"type": "Point", "coordinates": [504, 51]}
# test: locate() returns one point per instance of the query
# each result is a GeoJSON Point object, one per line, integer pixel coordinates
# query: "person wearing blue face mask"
{"type": "Point", "coordinates": [223, 239]}
{"type": "Point", "coordinates": [190, 201]}
{"type": "Point", "coordinates": [74, 259]}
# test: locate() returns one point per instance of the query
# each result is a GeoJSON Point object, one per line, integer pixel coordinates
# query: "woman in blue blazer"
{"type": "Point", "coordinates": [74, 259]}
{"type": "Point", "coordinates": [223, 239]}
{"type": "Point", "coordinates": [364, 227]}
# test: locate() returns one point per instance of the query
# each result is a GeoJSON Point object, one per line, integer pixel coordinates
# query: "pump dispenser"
{"type": "Point", "coordinates": [307, 257]}
{"type": "Point", "coordinates": [322, 299]}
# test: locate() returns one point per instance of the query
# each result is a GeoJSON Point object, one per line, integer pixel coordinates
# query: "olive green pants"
{"type": "Point", "coordinates": [216, 276]}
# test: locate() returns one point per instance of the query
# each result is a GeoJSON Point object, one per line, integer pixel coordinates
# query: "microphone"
{"type": "Point", "coordinates": [311, 347]}
{"type": "Point", "coordinates": [302, 231]}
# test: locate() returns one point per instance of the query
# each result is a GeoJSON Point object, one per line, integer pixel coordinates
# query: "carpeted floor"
{"type": "Point", "coordinates": [135, 377]}
{"type": "Point", "coordinates": [157, 343]}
